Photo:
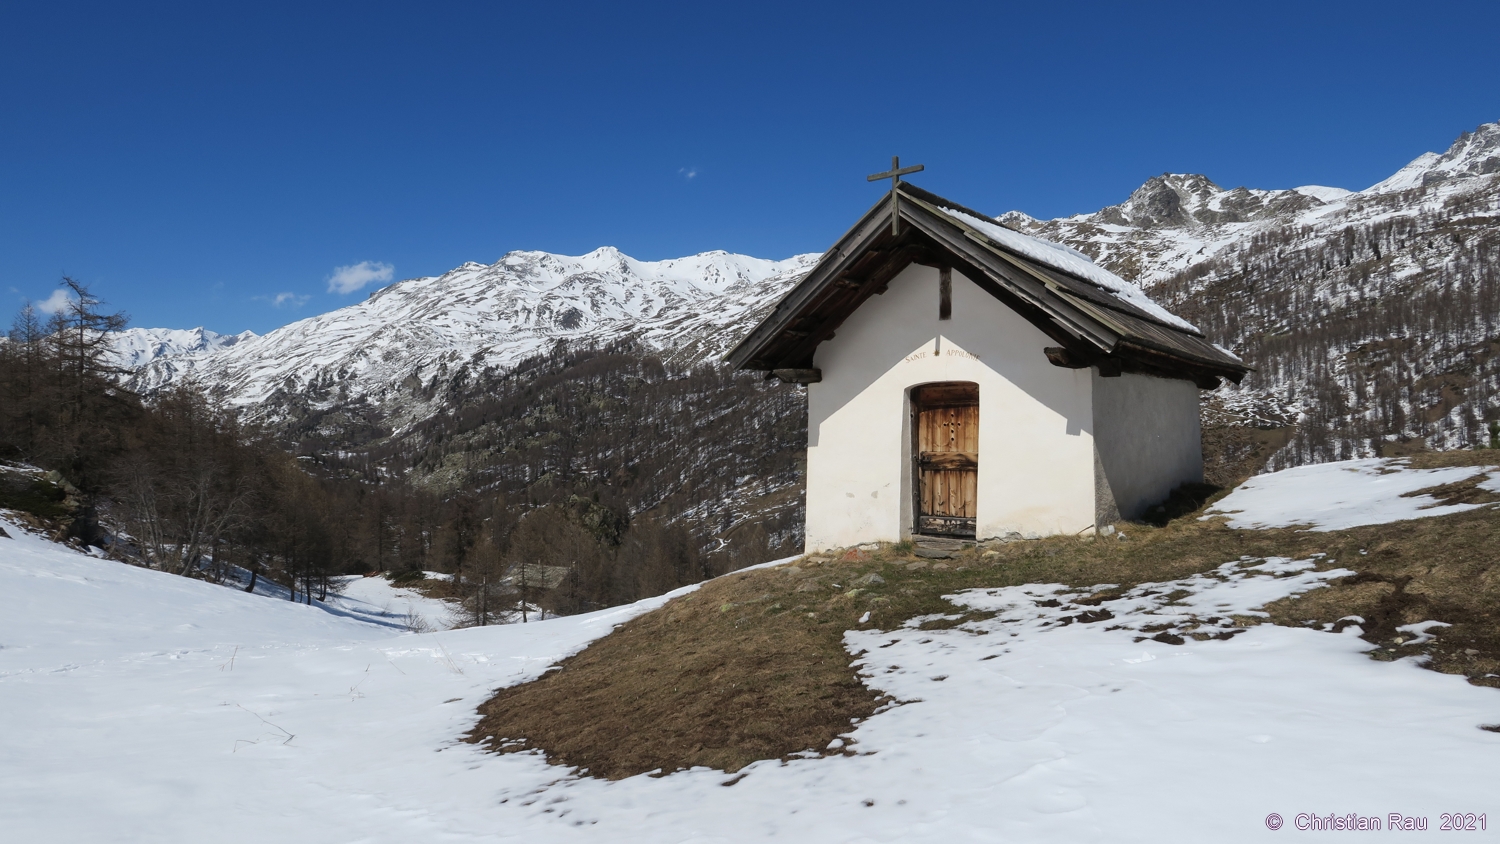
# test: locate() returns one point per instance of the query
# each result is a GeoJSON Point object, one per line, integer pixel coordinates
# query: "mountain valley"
{"type": "Point", "coordinates": [1372, 319]}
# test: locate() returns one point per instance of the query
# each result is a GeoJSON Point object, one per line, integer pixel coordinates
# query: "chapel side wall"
{"type": "Point", "coordinates": [1149, 438]}
{"type": "Point", "coordinates": [1036, 445]}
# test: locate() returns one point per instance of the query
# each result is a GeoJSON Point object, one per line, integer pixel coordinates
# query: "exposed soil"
{"type": "Point", "coordinates": [753, 666]}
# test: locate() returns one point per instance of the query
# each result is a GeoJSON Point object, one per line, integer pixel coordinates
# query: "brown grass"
{"type": "Point", "coordinates": [1443, 459]}
{"type": "Point", "coordinates": [753, 665]}
{"type": "Point", "coordinates": [746, 668]}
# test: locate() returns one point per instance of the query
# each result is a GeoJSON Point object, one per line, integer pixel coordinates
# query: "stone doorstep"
{"type": "Point", "coordinates": [940, 543]}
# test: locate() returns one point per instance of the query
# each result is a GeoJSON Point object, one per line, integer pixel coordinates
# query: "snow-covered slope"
{"type": "Point", "coordinates": [411, 332]}
{"type": "Point", "coordinates": [1346, 494]}
{"type": "Point", "coordinates": [1173, 221]}
{"type": "Point", "coordinates": [141, 706]}
{"type": "Point", "coordinates": [1474, 154]}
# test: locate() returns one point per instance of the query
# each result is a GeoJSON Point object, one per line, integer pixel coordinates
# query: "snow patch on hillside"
{"type": "Point", "coordinates": [376, 597]}
{"type": "Point", "coordinates": [1337, 496]}
{"type": "Point", "coordinates": [1323, 193]}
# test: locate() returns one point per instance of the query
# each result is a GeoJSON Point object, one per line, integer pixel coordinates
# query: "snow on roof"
{"type": "Point", "coordinates": [1072, 262]}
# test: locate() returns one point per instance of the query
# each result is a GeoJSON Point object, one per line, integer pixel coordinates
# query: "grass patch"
{"type": "Point", "coordinates": [753, 665]}
{"type": "Point", "coordinates": [748, 667]}
{"type": "Point", "coordinates": [1446, 459]}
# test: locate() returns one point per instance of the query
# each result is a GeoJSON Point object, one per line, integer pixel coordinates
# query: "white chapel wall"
{"type": "Point", "coordinates": [1149, 438]}
{"type": "Point", "coordinates": [1036, 448]}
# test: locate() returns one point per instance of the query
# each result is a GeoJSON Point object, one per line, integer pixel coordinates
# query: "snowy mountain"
{"type": "Point", "coordinates": [480, 316]}
{"type": "Point", "coordinates": [1365, 313]}
{"type": "Point", "coordinates": [134, 348]}
{"type": "Point", "coordinates": [1175, 221]}
{"type": "Point", "coordinates": [1373, 315]}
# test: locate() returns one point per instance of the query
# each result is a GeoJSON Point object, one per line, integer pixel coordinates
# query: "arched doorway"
{"type": "Point", "coordinates": [945, 458]}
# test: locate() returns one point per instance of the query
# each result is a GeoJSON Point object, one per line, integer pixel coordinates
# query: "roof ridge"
{"type": "Point", "coordinates": [930, 197]}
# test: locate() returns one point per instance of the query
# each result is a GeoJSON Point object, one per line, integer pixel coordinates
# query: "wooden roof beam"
{"type": "Point", "coordinates": [800, 354]}
{"type": "Point", "coordinates": [835, 261]}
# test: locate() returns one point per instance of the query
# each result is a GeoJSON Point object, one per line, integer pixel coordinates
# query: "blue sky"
{"type": "Point", "coordinates": [216, 164]}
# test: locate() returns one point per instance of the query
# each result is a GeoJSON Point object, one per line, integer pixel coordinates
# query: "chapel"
{"type": "Point", "coordinates": [967, 380]}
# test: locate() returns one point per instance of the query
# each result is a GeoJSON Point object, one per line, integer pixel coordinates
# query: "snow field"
{"type": "Point", "coordinates": [377, 599]}
{"type": "Point", "coordinates": [1044, 730]}
{"type": "Point", "coordinates": [1336, 496]}
{"type": "Point", "coordinates": [141, 706]}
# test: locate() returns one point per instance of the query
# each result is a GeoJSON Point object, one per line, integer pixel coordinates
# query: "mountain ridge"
{"type": "Point", "coordinates": [477, 317]}
{"type": "Point", "coordinates": [1188, 242]}
{"type": "Point", "coordinates": [1175, 220]}
{"type": "Point", "coordinates": [134, 348]}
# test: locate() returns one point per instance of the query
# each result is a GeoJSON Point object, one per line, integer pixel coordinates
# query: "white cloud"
{"type": "Point", "coordinates": [688, 172]}
{"type": "Point", "coordinates": [58, 302]}
{"type": "Point", "coordinates": [284, 300]}
{"type": "Point", "coordinates": [353, 277]}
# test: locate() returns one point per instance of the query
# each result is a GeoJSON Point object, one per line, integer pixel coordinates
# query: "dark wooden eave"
{"type": "Point", "coordinates": [1090, 324]}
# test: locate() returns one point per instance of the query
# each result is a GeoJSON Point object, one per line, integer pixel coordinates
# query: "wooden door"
{"type": "Point", "coordinates": [946, 448]}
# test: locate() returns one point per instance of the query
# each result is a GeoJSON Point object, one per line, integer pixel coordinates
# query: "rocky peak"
{"type": "Point", "coordinates": [1187, 200]}
{"type": "Point", "coordinates": [1017, 220]}
{"type": "Point", "coordinates": [1159, 202]}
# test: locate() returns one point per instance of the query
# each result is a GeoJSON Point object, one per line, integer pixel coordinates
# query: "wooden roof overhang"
{"type": "Point", "coordinates": [1091, 325]}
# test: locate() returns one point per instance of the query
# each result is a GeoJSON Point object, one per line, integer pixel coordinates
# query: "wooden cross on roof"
{"type": "Point", "coordinates": [895, 174]}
